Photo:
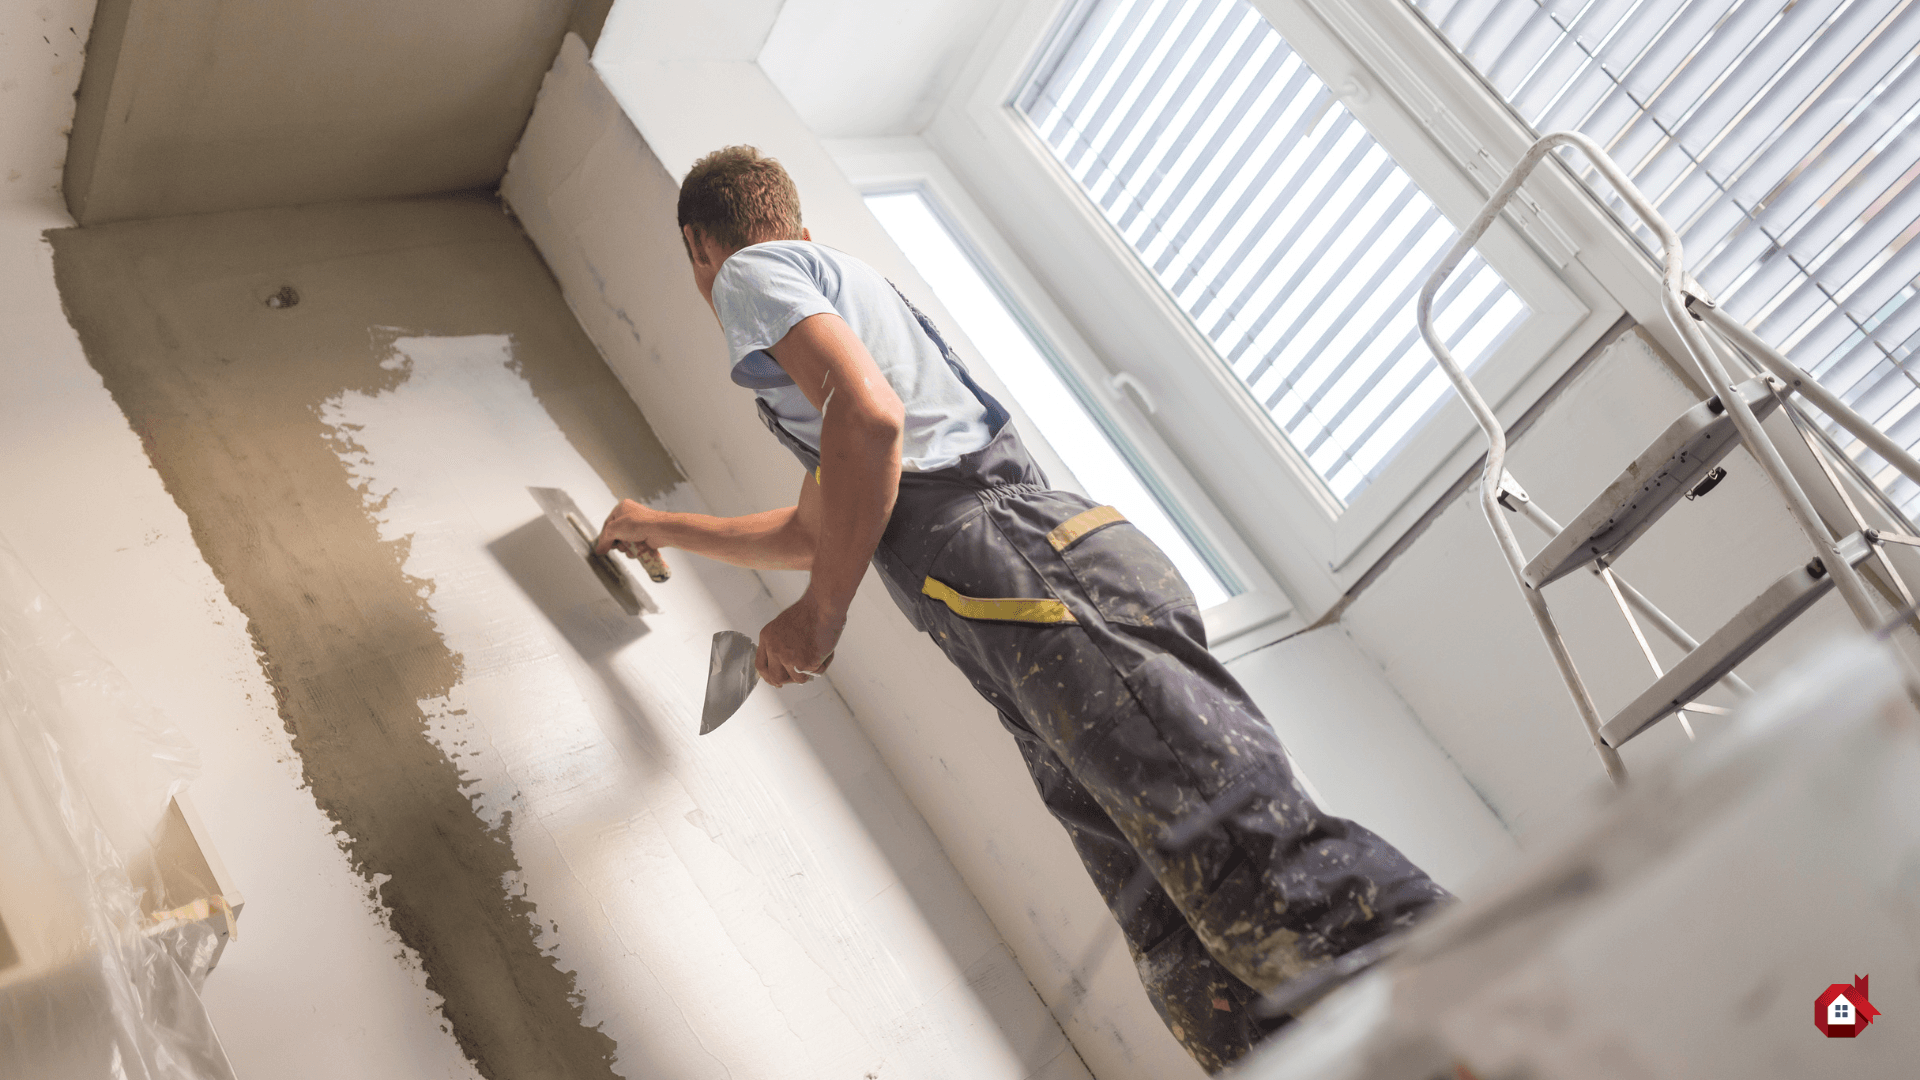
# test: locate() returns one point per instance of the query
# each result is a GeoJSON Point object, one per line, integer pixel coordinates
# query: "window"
{"type": "Point", "coordinates": [1288, 236]}
{"type": "Point", "coordinates": [1779, 138]}
{"type": "Point", "coordinates": [1019, 359]}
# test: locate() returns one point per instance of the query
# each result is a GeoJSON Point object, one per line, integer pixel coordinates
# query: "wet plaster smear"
{"type": "Point", "coordinates": [510, 762]}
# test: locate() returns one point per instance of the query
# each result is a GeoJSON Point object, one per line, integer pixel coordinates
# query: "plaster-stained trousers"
{"type": "Point", "coordinates": [1085, 638]}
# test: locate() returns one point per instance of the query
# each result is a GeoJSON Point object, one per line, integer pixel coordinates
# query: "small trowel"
{"type": "Point", "coordinates": [731, 677]}
{"type": "Point", "coordinates": [619, 581]}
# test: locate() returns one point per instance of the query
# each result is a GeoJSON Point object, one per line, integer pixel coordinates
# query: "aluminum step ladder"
{"type": "Point", "coordinates": [1683, 462]}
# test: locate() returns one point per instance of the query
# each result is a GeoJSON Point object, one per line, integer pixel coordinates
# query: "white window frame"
{"type": "Point", "coordinates": [1261, 611]}
{"type": "Point", "coordinates": [1379, 56]}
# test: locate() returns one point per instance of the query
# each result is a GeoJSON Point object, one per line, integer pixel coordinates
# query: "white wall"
{"type": "Point", "coordinates": [596, 195]}
{"type": "Point", "coordinates": [598, 200]}
{"type": "Point", "coordinates": [1447, 624]}
{"type": "Point", "coordinates": [760, 902]}
{"type": "Point", "coordinates": [1367, 756]}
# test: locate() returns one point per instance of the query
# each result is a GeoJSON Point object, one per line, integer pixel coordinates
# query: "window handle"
{"type": "Point", "coordinates": [1122, 381]}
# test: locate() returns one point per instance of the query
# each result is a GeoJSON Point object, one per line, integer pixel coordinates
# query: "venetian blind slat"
{"type": "Point", "coordinates": [1288, 236]}
{"type": "Point", "coordinates": [1778, 137]}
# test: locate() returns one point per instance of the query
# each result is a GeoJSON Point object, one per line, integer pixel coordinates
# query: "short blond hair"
{"type": "Point", "coordinates": [739, 198]}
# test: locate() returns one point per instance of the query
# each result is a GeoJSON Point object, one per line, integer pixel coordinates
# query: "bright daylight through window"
{"type": "Point", "coordinates": [1778, 137]}
{"type": "Point", "coordinates": [1017, 359]}
{"type": "Point", "coordinates": [1284, 231]}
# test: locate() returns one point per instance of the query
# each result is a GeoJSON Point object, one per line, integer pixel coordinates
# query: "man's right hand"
{"type": "Point", "coordinates": [630, 529]}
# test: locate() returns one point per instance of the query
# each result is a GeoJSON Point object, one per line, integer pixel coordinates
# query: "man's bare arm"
{"type": "Point", "coordinates": [833, 528]}
{"type": "Point", "coordinates": [780, 539]}
{"type": "Point", "coordinates": [860, 441]}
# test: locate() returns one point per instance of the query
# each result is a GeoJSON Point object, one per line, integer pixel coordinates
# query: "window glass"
{"type": "Point", "coordinates": [1011, 351]}
{"type": "Point", "coordinates": [1778, 136]}
{"type": "Point", "coordinates": [1289, 237]}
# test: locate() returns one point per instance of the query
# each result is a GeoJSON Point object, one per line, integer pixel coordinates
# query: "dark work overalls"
{"type": "Point", "coordinates": [1085, 638]}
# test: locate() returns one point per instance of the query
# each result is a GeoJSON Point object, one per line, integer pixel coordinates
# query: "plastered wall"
{"type": "Point", "coordinates": [598, 200]}
{"type": "Point", "coordinates": [84, 509]}
{"type": "Point", "coordinates": [596, 193]}
{"type": "Point", "coordinates": [348, 402]}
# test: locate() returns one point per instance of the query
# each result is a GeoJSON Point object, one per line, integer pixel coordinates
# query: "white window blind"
{"type": "Point", "coordinates": [1778, 137]}
{"type": "Point", "coordinates": [1291, 239]}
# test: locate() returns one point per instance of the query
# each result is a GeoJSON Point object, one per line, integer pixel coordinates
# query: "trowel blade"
{"type": "Point", "coordinates": [730, 678]}
{"type": "Point", "coordinates": [618, 580]}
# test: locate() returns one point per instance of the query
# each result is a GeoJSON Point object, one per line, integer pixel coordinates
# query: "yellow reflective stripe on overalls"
{"type": "Point", "coordinates": [1069, 532]}
{"type": "Point", "coordinates": [1003, 609]}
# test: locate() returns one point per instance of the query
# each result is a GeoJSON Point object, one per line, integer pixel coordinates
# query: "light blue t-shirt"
{"type": "Point", "coordinates": [763, 291]}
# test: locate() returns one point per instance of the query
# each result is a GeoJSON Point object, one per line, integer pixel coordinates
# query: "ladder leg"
{"type": "Point", "coordinates": [1518, 501]}
{"type": "Point", "coordinates": [1576, 687]}
{"type": "Point", "coordinates": [1851, 585]}
{"type": "Point", "coordinates": [1646, 650]}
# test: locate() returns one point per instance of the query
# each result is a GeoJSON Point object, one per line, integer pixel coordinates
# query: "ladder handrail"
{"type": "Point", "coordinates": [1673, 296]}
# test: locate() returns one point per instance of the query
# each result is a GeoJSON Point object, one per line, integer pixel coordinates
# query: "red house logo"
{"type": "Point", "coordinates": [1842, 1011]}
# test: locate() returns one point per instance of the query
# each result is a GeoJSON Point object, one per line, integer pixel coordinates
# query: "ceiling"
{"type": "Point", "coordinates": [860, 68]}
{"type": "Point", "coordinates": [196, 106]}
{"type": "Point", "coordinates": [850, 68]}
{"type": "Point", "coordinates": [202, 106]}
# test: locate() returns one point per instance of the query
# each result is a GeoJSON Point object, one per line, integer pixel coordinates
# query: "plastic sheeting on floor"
{"type": "Point", "coordinates": [89, 985]}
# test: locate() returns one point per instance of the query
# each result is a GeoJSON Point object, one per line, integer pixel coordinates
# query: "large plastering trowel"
{"type": "Point", "coordinates": [619, 581]}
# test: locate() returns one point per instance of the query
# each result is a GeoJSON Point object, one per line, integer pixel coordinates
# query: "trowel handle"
{"type": "Point", "coordinates": [649, 558]}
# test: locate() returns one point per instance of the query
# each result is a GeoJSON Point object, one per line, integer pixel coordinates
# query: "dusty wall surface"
{"type": "Point", "coordinates": [509, 761]}
{"type": "Point", "coordinates": [197, 106]}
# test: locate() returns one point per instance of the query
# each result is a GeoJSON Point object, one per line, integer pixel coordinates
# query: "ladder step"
{"type": "Point", "coordinates": [1666, 470]}
{"type": "Point", "coordinates": [1758, 622]}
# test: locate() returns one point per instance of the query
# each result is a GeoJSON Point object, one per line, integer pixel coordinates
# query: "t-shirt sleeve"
{"type": "Point", "coordinates": [761, 293]}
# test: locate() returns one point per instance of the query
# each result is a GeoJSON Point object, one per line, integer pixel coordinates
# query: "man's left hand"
{"type": "Point", "coordinates": [798, 643]}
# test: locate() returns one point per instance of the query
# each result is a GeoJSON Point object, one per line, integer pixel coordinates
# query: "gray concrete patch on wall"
{"type": "Point", "coordinates": [225, 389]}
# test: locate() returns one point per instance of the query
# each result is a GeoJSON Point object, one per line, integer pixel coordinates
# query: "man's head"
{"type": "Point", "coordinates": [737, 198]}
{"type": "Point", "coordinates": [734, 198]}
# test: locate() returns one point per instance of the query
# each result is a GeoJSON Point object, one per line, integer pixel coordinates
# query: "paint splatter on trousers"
{"type": "Point", "coordinates": [1083, 635]}
{"type": "Point", "coordinates": [1128, 724]}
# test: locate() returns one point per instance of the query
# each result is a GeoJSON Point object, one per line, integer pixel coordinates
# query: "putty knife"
{"type": "Point", "coordinates": [731, 677]}
{"type": "Point", "coordinates": [619, 581]}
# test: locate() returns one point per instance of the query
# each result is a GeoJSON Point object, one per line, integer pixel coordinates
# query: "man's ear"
{"type": "Point", "coordinates": [691, 237]}
{"type": "Point", "coordinates": [806, 234]}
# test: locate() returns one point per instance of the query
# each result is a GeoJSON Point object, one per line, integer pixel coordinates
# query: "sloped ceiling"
{"type": "Point", "coordinates": [200, 106]}
{"type": "Point", "coordinates": [858, 68]}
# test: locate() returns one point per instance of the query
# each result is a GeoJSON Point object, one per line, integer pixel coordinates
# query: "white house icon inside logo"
{"type": "Point", "coordinates": [1840, 1012]}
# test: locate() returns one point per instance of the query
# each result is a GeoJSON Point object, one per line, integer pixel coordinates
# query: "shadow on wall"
{"type": "Point", "coordinates": [545, 568]}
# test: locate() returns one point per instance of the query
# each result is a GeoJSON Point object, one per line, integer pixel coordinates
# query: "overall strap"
{"type": "Point", "coordinates": [997, 414]}
{"type": "Point", "coordinates": [759, 370]}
